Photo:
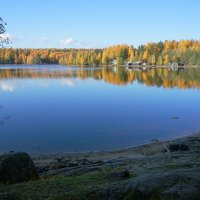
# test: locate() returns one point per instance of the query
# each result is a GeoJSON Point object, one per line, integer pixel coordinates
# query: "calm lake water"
{"type": "Point", "coordinates": [58, 109]}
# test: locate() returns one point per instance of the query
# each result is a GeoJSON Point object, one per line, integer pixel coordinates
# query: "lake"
{"type": "Point", "coordinates": [45, 109]}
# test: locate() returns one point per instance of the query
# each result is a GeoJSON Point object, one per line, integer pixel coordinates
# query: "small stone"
{"type": "Point", "coordinates": [184, 147]}
{"type": "Point", "coordinates": [72, 164]}
{"type": "Point", "coordinates": [178, 147]}
{"type": "Point", "coordinates": [120, 174]}
{"type": "Point", "coordinates": [125, 174]}
{"type": "Point", "coordinates": [173, 147]}
{"type": "Point", "coordinates": [164, 150]}
{"type": "Point", "coordinates": [43, 169]}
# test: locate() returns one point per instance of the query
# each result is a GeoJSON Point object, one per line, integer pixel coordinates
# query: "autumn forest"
{"type": "Point", "coordinates": [161, 53]}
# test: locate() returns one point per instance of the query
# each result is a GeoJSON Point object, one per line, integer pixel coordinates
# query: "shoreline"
{"type": "Point", "coordinates": [123, 149]}
{"type": "Point", "coordinates": [66, 159]}
{"type": "Point", "coordinates": [188, 66]}
{"type": "Point", "coordinates": [158, 170]}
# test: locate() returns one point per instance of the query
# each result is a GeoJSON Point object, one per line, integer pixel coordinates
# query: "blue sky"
{"type": "Point", "coordinates": [98, 23]}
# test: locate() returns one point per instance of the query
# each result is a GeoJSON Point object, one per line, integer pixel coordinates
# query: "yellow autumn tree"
{"type": "Point", "coordinates": [160, 60]}
{"type": "Point", "coordinates": [145, 56]}
{"type": "Point", "coordinates": [131, 54]}
{"type": "Point", "coordinates": [166, 60]}
{"type": "Point", "coordinates": [153, 59]}
{"type": "Point", "coordinates": [104, 59]}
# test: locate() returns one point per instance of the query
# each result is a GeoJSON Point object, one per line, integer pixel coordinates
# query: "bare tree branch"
{"type": "Point", "coordinates": [3, 38]}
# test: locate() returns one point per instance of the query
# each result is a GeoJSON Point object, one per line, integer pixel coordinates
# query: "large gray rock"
{"type": "Point", "coordinates": [17, 167]}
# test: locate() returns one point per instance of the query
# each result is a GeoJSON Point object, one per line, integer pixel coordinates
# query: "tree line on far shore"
{"type": "Point", "coordinates": [160, 53]}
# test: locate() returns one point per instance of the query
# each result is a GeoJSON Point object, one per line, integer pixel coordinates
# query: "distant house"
{"type": "Point", "coordinates": [129, 64]}
{"type": "Point", "coordinates": [85, 64]}
{"type": "Point", "coordinates": [137, 63]}
{"type": "Point", "coordinates": [181, 64]}
{"type": "Point", "coordinates": [176, 66]}
{"type": "Point", "coordinates": [114, 62]}
{"type": "Point", "coordinates": [144, 64]}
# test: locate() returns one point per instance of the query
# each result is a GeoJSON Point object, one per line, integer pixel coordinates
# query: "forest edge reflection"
{"type": "Point", "coordinates": [160, 77]}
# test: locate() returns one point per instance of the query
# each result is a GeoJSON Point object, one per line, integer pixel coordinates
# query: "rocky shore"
{"type": "Point", "coordinates": [159, 170]}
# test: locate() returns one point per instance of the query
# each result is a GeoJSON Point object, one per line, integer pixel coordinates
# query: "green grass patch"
{"type": "Point", "coordinates": [60, 187]}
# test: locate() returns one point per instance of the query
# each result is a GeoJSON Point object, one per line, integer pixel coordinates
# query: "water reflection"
{"type": "Point", "coordinates": [54, 109]}
{"type": "Point", "coordinates": [160, 77]}
{"type": "Point", "coordinates": [7, 86]}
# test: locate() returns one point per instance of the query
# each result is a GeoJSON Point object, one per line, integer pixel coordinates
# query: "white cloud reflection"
{"type": "Point", "coordinates": [67, 82]}
{"type": "Point", "coordinates": [13, 85]}
{"type": "Point", "coordinates": [7, 87]}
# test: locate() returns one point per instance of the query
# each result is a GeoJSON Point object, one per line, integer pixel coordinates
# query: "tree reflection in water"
{"type": "Point", "coordinates": [160, 77]}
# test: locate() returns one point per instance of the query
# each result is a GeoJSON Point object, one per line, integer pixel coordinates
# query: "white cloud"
{"type": "Point", "coordinates": [11, 37]}
{"type": "Point", "coordinates": [68, 41]}
{"type": "Point", "coordinates": [89, 44]}
{"type": "Point", "coordinates": [44, 40]}
{"type": "Point", "coordinates": [71, 42]}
